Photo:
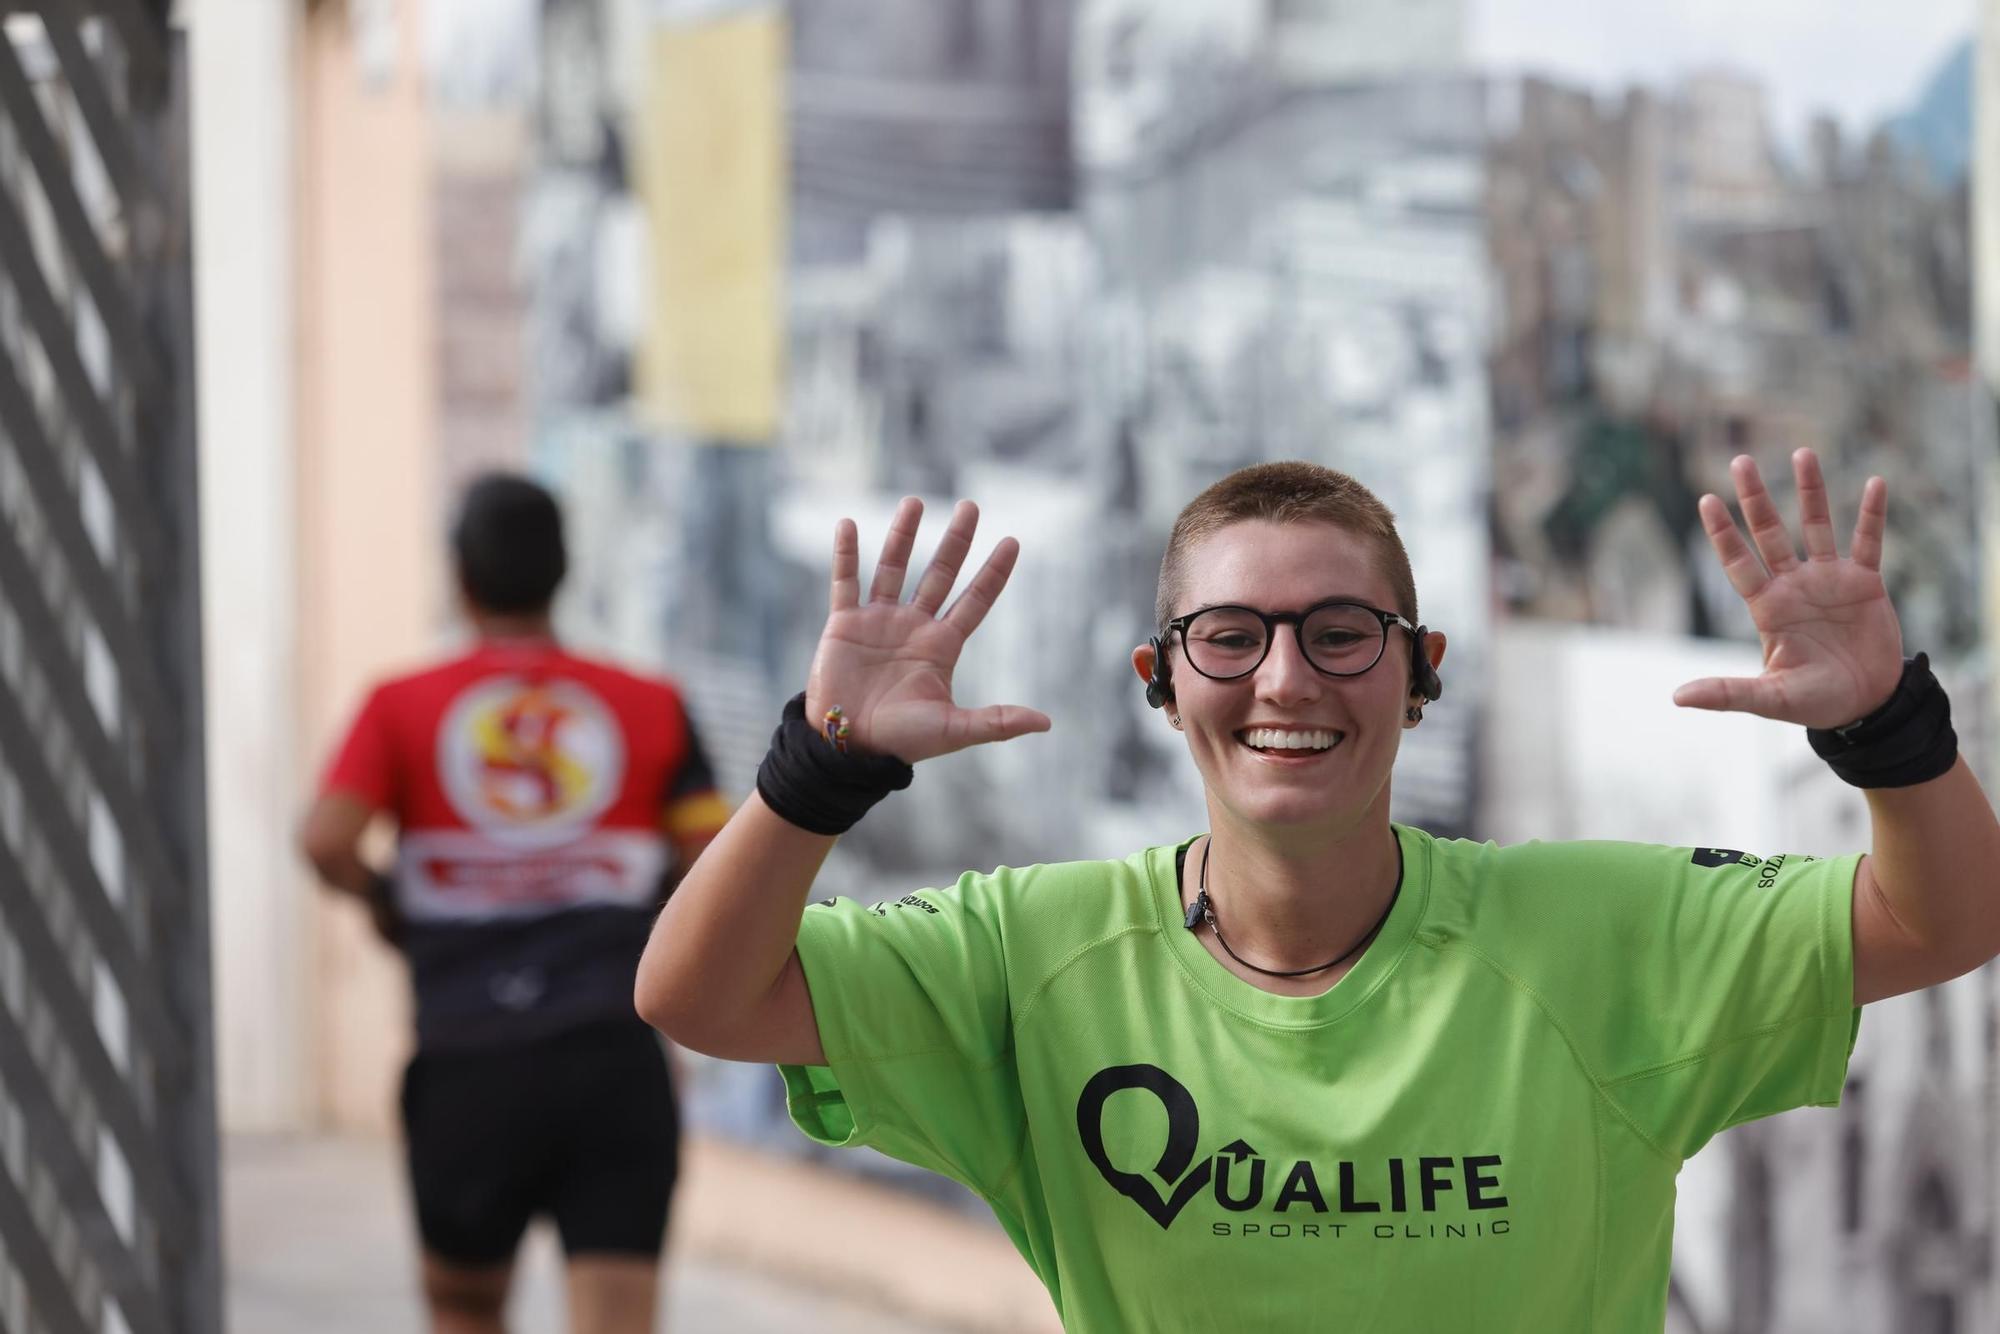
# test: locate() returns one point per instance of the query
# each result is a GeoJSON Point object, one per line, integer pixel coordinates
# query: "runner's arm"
{"type": "Point", "coordinates": [330, 838]}
{"type": "Point", "coordinates": [721, 973]}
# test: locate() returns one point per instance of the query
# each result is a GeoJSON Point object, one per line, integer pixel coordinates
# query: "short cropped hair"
{"type": "Point", "coordinates": [1290, 492]}
{"type": "Point", "coordinates": [508, 544]}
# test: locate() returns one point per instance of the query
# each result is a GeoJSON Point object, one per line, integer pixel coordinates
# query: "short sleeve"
{"type": "Point", "coordinates": [364, 764]}
{"type": "Point", "coordinates": [1708, 986]}
{"type": "Point", "coordinates": [912, 1003]}
{"type": "Point", "coordinates": [693, 808]}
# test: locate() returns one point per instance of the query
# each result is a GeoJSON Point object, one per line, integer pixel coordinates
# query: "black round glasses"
{"type": "Point", "coordinates": [1338, 638]}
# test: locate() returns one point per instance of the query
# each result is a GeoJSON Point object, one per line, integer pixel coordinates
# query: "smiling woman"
{"type": "Point", "coordinates": [1466, 1075]}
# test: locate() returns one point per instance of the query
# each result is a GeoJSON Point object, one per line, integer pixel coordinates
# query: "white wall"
{"type": "Point", "coordinates": [1584, 741]}
{"type": "Point", "coordinates": [244, 78]}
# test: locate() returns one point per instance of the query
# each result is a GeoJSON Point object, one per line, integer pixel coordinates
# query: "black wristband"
{"type": "Point", "coordinates": [1907, 741]}
{"type": "Point", "coordinates": [818, 787]}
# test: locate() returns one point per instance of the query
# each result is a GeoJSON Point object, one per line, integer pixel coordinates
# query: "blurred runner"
{"type": "Point", "coordinates": [545, 805]}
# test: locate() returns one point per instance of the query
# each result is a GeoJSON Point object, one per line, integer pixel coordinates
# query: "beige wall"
{"type": "Point", "coordinates": [369, 579]}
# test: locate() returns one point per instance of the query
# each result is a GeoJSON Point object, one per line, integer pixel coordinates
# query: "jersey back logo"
{"type": "Point", "coordinates": [529, 762]}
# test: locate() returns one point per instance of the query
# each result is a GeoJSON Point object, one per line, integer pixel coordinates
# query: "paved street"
{"type": "Point", "coordinates": [319, 1242]}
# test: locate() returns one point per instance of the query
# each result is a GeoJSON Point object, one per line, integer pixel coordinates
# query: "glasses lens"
{"type": "Point", "coordinates": [1225, 642]}
{"type": "Point", "coordinates": [1343, 640]}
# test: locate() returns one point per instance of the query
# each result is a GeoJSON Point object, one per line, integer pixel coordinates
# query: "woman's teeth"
{"type": "Point", "coordinates": [1271, 738]}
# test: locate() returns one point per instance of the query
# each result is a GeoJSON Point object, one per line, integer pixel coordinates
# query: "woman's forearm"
{"type": "Point", "coordinates": [715, 972]}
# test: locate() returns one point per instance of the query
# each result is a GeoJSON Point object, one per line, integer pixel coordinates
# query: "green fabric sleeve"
{"type": "Point", "coordinates": [1704, 987]}
{"type": "Point", "coordinates": [912, 1003]}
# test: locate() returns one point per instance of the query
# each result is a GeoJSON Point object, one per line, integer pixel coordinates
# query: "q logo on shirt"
{"type": "Point", "coordinates": [530, 762]}
{"type": "Point", "coordinates": [1183, 1132]}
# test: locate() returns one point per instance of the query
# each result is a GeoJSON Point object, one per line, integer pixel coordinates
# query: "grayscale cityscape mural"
{"type": "Point", "coordinates": [1075, 260]}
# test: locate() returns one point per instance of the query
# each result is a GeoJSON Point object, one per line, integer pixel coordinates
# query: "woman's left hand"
{"type": "Point", "coordinates": [1833, 650]}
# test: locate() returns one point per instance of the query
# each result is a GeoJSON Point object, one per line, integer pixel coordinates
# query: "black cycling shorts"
{"type": "Point", "coordinates": [580, 1126]}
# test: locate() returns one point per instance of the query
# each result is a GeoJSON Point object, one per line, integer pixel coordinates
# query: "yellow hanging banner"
{"type": "Point", "coordinates": [710, 172]}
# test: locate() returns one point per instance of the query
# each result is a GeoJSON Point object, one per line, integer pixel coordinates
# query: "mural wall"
{"type": "Point", "coordinates": [726, 272]}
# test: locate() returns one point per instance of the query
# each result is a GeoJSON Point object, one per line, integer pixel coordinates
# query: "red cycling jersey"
{"type": "Point", "coordinates": [526, 783]}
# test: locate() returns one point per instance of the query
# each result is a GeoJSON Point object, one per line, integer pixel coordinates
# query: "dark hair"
{"type": "Point", "coordinates": [508, 542]}
{"type": "Point", "coordinates": [1290, 492]}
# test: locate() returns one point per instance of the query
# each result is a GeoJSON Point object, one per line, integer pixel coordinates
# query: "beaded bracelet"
{"type": "Point", "coordinates": [837, 728]}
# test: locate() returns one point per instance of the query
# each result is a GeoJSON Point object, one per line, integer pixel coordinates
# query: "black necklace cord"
{"type": "Point", "coordinates": [1203, 910]}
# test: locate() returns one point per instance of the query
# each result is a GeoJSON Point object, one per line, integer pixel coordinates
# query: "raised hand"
{"type": "Point", "coordinates": [1833, 650]}
{"type": "Point", "coordinates": [888, 664]}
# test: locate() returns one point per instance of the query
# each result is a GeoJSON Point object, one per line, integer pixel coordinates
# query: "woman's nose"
{"type": "Point", "coordinates": [1285, 676]}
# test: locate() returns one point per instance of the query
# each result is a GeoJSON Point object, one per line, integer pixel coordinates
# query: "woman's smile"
{"type": "Point", "coordinates": [1290, 746]}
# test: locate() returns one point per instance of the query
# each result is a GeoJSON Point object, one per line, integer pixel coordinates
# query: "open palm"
{"type": "Point", "coordinates": [888, 664]}
{"type": "Point", "coordinates": [1833, 650]}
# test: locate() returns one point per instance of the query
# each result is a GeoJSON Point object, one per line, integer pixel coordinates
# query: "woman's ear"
{"type": "Point", "coordinates": [1432, 644]}
{"type": "Point", "coordinates": [1143, 658]}
{"type": "Point", "coordinates": [1434, 648]}
{"type": "Point", "coordinates": [1159, 693]}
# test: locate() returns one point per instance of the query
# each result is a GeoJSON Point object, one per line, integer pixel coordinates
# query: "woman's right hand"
{"type": "Point", "coordinates": [888, 663]}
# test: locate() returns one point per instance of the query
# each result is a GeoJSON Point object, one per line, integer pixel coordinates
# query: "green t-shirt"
{"type": "Point", "coordinates": [1479, 1127]}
